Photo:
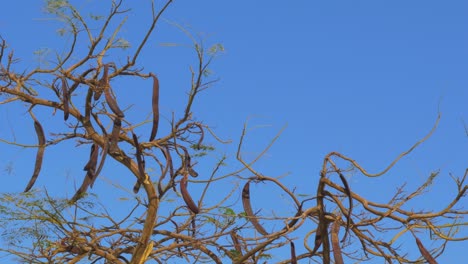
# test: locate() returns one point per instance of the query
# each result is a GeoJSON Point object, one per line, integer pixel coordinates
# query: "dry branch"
{"type": "Point", "coordinates": [336, 242]}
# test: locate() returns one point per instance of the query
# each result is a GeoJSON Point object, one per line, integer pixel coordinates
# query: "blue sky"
{"type": "Point", "coordinates": [364, 78]}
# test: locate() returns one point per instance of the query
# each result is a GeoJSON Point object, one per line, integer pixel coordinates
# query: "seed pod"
{"type": "Point", "coordinates": [424, 252]}
{"type": "Point", "coordinates": [115, 136]}
{"type": "Point", "coordinates": [169, 167]}
{"type": "Point", "coordinates": [248, 209]}
{"type": "Point", "coordinates": [350, 198]}
{"type": "Point", "coordinates": [112, 103]}
{"type": "Point", "coordinates": [65, 99]}
{"type": "Point", "coordinates": [136, 187]}
{"type": "Point", "coordinates": [336, 243]}
{"type": "Point", "coordinates": [39, 154]}
{"type": "Point", "coordinates": [293, 254]}
{"type": "Point", "coordinates": [186, 196]}
{"type": "Point", "coordinates": [318, 240]}
{"type": "Point", "coordinates": [91, 175]}
{"type": "Point", "coordinates": [155, 104]}
{"type": "Point", "coordinates": [90, 167]}
{"type": "Point", "coordinates": [103, 159]}
{"type": "Point", "coordinates": [139, 157]}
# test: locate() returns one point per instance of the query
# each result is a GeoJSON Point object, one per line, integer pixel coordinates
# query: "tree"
{"type": "Point", "coordinates": [166, 222]}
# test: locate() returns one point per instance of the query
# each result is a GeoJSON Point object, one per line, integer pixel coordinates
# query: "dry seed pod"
{"type": "Point", "coordinates": [137, 186]}
{"type": "Point", "coordinates": [65, 99]}
{"type": "Point", "coordinates": [169, 167]}
{"type": "Point", "coordinates": [293, 254]}
{"type": "Point", "coordinates": [91, 165]}
{"type": "Point", "coordinates": [139, 157]}
{"type": "Point", "coordinates": [187, 198]}
{"type": "Point", "coordinates": [348, 216]}
{"type": "Point", "coordinates": [112, 103]}
{"type": "Point", "coordinates": [248, 209]}
{"type": "Point", "coordinates": [103, 159]}
{"type": "Point", "coordinates": [104, 85]}
{"type": "Point", "coordinates": [427, 256]}
{"type": "Point", "coordinates": [91, 175]}
{"type": "Point", "coordinates": [317, 241]}
{"type": "Point", "coordinates": [155, 104]}
{"type": "Point", "coordinates": [336, 243]}
{"type": "Point", "coordinates": [39, 154]}
{"type": "Point", "coordinates": [115, 136]}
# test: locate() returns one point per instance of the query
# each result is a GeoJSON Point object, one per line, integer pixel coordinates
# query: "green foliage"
{"type": "Point", "coordinates": [215, 49]}
{"type": "Point", "coordinates": [202, 150]}
{"type": "Point", "coordinates": [121, 43]}
{"type": "Point", "coordinates": [96, 17]}
{"type": "Point", "coordinates": [56, 7]}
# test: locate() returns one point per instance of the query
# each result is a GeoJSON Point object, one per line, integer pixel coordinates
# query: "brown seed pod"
{"type": "Point", "coordinates": [350, 198]}
{"type": "Point", "coordinates": [155, 105]}
{"type": "Point", "coordinates": [186, 196]}
{"type": "Point", "coordinates": [115, 135]}
{"type": "Point", "coordinates": [248, 209]}
{"type": "Point", "coordinates": [336, 243]}
{"type": "Point", "coordinates": [318, 240]}
{"type": "Point", "coordinates": [293, 253]}
{"type": "Point", "coordinates": [112, 103]}
{"type": "Point", "coordinates": [137, 186]}
{"type": "Point", "coordinates": [139, 157]}
{"type": "Point", "coordinates": [39, 154]}
{"type": "Point", "coordinates": [424, 252]}
{"type": "Point", "coordinates": [103, 158]}
{"type": "Point", "coordinates": [65, 99]}
{"type": "Point", "coordinates": [104, 85]}
{"type": "Point", "coordinates": [91, 165]}
{"type": "Point", "coordinates": [91, 175]}
{"type": "Point", "coordinates": [168, 167]}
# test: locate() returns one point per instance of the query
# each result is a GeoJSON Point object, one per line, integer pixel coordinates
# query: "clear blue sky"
{"type": "Point", "coordinates": [364, 78]}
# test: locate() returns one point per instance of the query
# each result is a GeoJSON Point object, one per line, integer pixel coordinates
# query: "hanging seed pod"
{"type": "Point", "coordinates": [318, 240]}
{"type": "Point", "coordinates": [65, 99]}
{"type": "Point", "coordinates": [112, 103]}
{"type": "Point", "coordinates": [115, 135]}
{"type": "Point", "coordinates": [186, 196]}
{"type": "Point", "coordinates": [155, 106]}
{"type": "Point", "coordinates": [91, 175]}
{"type": "Point", "coordinates": [91, 165]}
{"type": "Point", "coordinates": [424, 252]}
{"type": "Point", "coordinates": [139, 157]}
{"type": "Point", "coordinates": [350, 198]}
{"type": "Point", "coordinates": [293, 253]}
{"type": "Point", "coordinates": [39, 154]}
{"type": "Point", "coordinates": [248, 209]}
{"type": "Point", "coordinates": [136, 187]}
{"type": "Point", "coordinates": [104, 85]}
